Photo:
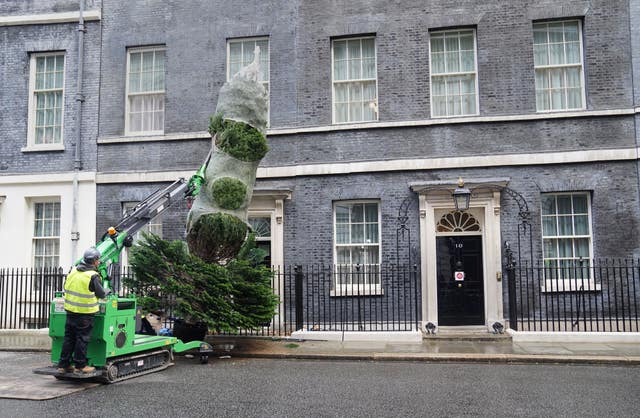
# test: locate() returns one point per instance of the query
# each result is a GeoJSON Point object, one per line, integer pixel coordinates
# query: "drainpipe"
{"type": "Point", "coordinates": [77, 161]}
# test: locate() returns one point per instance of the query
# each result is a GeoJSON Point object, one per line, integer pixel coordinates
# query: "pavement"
{"type": "Point", "coordinates": [451, 348]}
{"type": "Point", "coordinates": [21, 351]}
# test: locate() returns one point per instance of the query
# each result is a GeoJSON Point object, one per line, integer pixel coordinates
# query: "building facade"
{"type": "Point", "coordinates": [49, 130]}
{"type": "Point", "coordinates": [378, 112]}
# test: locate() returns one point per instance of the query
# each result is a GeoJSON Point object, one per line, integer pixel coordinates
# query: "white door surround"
{"type": "Point", "coordinates": [435, 200]}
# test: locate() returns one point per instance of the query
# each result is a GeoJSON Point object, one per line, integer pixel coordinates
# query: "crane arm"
{"type": "Point", "coordinates": [117, 238]}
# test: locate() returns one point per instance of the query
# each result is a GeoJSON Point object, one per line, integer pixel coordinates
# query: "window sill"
{"type": "Point", "coordinates": [41, 148]}
{"type": "Point", "coordinates": [153, 138]}
{"type": "Point", "coordinates": [471, 115]}
{"type": "Point", "coordinates": [363, 291]}
{"type": "Point", "coordinates": [358, 122]}
{"type": "Point", "coordinates": [582, 109]}
{"type": "Point", "coordinates": [149, 133]}
{"type": "Point", "coordinates": [568, 286]}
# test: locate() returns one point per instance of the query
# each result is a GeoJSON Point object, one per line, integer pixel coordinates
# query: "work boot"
{"type": "Point", "coordinates": [68, 369]}
{"type": "Point", "coordinates": [86, 369]}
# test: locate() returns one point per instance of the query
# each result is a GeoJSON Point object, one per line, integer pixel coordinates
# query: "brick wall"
{"type": "Point", "coordinates": [16, 44]}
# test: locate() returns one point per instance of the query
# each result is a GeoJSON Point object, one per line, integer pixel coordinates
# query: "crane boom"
{"type": "Point", "coordinates": [121, 236]}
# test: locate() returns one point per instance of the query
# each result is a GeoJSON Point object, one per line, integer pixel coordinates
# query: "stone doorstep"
{"type": "Point", "coordinates": [470, 336]}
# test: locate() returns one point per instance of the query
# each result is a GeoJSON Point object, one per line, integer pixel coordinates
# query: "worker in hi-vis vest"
{"type": "Point", "coordinates": [82, 288]}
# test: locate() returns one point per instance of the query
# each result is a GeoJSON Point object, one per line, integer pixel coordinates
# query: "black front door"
{"type": "Point", "coordinates": [460, 282]}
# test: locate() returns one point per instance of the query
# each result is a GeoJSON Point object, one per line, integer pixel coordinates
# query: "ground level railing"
{"type": "Point", "coordinates": [589, 296]}
{"type": "Point", "coordinates": [312, 298]}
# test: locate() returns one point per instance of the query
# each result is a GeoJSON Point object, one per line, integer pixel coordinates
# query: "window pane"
{"type": "Point", "coordinates": [354, 49]}
{"type": "Point", "coordinates": [571, 31]}
{"type": "Point", "coordinates": [452, 62]}
{"type": "Point", "coordinates": [565, 248]}
{"type": "Point", "coordinates": [539, 34]}
{"type": "Point", "coordinates": [550, 248]}
{"type": "Point", "coordinates": [355, 70]}
{"type": "Point", "coordinates": [573, 53]}
{"type": "Point", "coordinates": [438, 86]}
{"type": "Point", "coordinates": [451, 42]}
{"type": "Point", "coordinates": [466, 41]}
{"type": "Point", "coordinates": [437, 44]}
{"type": "Point", "coordinates": [355, 112]}
{"type": "Point", "coordinates": [355, 92]}
{"type": "Point", "coordinates": [357, 257]}
{"type": "Point", "coordinates": [468, 61]}
{"type": "Point", "coordinates": [372, 255]}
{"type": "Point", "coordinates": [564, 204]}
{"type": "Point", "coordinates": [147, 61]}
{"type": "Point", "coordinates": [582, 247]}
{"type": "Point", "coordinates": [580, 204]}
{"type": "Point", "coordinates": [371, 210]}
{"type": "Point", "coordinates": [540, 56]}
{"type": "Point", "coordinates": [357, 213]}
{"type": "Point", "coordinates": [368, 92]}
{"type": "Point", "coordinates": [548, 203]}
{"type": "Point", "coordinates": [146, 81]}
{"type": "Point", "coordinates": [342, 214]}
{"type": "Point", "coordinates": [344, 255]}
{"type": "Point", "coordinates": [371, 234]}
{"type": "Point", "coordinates": [549, 226]}
{"type": "Point", "coordinates": [556, 32]}
{"type": "Point", "coordinates": [439, 106]}
{"type": "Point", "coordinates": [368, 48]}
{"type": "Point", "coordinates": [565, 225]}
{"type": "Point", "coordinates": [134, 82]}
{"type": "Point", "coordinates": [158, 81]}
{"type": "Point", "coordinates": [357, 233]}
{"type": "Point", "coordinates": [437, 62]}
{"type": "Point", "coordinates": [556, 54]}
{"type": "Point", "coordinates": [573, 77]}
{"type": "Point", "coordinates": [368, 68]}
{"type": "Point", "coordinates": [339, 50]}
{"type": "Point", "coordinates": [581, 223]}
{"type": "Point", "coordinates": [135, 62]}
{"type": "Point", "coordinates": [340, 70]}
{"type": "Point", "coordinates": [342, 234]}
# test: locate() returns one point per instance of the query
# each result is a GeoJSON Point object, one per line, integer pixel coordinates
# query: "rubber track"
{"type": "Point", "coordinates": [104, 378]}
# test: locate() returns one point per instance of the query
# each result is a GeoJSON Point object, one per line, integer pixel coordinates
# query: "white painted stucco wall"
{"type": "Point", "coordinates": [17, 195]}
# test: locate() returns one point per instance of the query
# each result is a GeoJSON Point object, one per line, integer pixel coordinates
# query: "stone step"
{"type": "Point", "coordinates": [467, 336]}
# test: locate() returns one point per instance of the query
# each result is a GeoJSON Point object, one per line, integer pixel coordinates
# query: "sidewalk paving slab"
{"type": "Point", "coordinates": [18, 382]}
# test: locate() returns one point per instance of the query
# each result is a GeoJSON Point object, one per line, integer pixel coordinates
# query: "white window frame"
{"type": "Point", "coordinates": [33, 203]}
{"type": "Point", "coordinates": [31, 123]}
{"type": "Point", "coordinates": [550, 67]}
{"type": "Point", "coordinates": [162, 92]}
{"type": "Point", "coordinates": [585, 283]}
{"type": "Point", "coordinates": [266, 83]}
{"type": "Point", "coordinates": [373, 104]}
{"type": "Point", "coordinates": [365, 288]}
{"type": "Point", "coordinates": [455, 74]}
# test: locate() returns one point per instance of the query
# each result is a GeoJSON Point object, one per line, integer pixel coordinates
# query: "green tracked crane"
{"type": "Point", "coordinates": [115, 350]}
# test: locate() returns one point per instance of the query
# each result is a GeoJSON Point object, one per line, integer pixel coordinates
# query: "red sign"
{"type": "Point", "coordinates": [458, 276]}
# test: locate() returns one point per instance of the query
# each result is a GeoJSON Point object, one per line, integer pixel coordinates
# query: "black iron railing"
{"type": "Point", "coordinates": [312, 298]}
{"type": "Point", "coordinates": [356, 298]}
{"type": "Point", "coordinates": [25, 296]}
{"type": "Point", "coordinates": [591, 295]}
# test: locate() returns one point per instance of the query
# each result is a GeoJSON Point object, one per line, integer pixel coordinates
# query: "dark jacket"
{"type": "Point", "coordinates": [95, 284]}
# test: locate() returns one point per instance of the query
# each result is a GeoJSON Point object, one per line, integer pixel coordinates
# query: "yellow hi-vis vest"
{"type": "Point", "coordinates": [77, 296]}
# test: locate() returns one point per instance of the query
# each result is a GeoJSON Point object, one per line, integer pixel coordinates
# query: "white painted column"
{"type": "Point", "coordinates": [428, 263]}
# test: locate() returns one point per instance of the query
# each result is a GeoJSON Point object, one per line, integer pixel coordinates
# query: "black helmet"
{"type": "Point", "coordinates": [91, 255]}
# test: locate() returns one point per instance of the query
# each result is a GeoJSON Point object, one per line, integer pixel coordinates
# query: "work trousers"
{"type": "Point", "coordinates": [77, 332]}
